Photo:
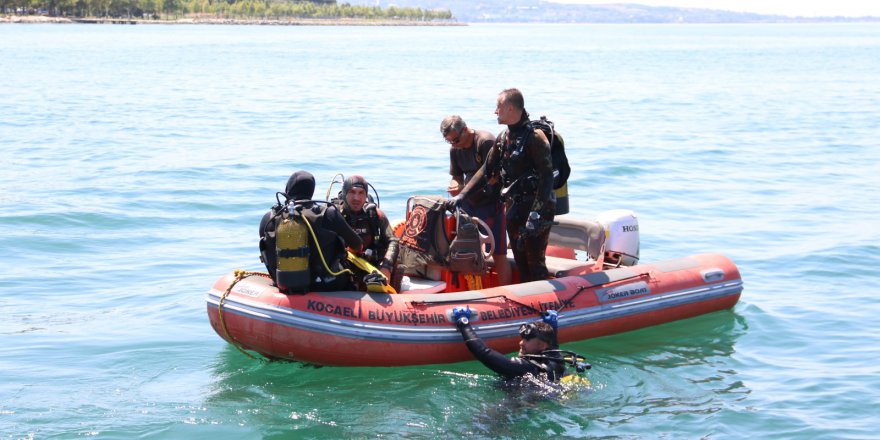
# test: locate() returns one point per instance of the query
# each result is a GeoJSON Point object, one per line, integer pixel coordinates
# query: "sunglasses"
{"type": "Point", "coordinates": [454, 141]}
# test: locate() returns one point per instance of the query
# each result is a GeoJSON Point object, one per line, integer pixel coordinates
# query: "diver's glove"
{"type": "Point", "coordinates": [551, 317]}
{"type": "Point", "coordinates": [462, 315]}
{"type": "Point", "coordinates": [533, 224]}
{"type": "Point", "coordinates": [375, 278]}
{"type": "Point", "coordinates": [451, 204]}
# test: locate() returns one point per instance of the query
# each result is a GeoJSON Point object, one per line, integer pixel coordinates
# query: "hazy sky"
{"type": "Point", "coordinates": [805, 8]}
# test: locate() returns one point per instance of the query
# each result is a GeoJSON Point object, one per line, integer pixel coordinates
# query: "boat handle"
{"type": "Point", "coordinates": [712, 275]}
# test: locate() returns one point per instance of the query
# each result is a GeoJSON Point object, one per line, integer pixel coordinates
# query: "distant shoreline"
{"type": "Point", "coordinates": [37, 19]}
{"type": "Point", "coordinates": [33, 19]}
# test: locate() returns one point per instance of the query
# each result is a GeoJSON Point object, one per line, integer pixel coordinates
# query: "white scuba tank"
{"type": "Point", "coordinates": [621, 236]}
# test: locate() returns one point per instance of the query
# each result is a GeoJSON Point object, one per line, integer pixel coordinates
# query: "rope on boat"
{"type": "Point", "coordinates": [239, 275]}
{"type": "Point", "coordinates": [563, 303]}
{"type": "Point", "coordinates": [568, 302]}
{"type": "Point", "coordinates": [468, 300]}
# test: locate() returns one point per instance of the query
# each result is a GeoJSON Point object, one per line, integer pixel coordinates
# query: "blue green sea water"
{"type": "Point", "coordinates": [137, 161]}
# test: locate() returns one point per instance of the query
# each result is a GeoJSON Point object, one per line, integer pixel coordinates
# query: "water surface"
{"type": "Point", "coordinates": [138, 160]}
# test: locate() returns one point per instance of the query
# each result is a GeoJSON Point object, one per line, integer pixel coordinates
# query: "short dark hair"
{"type": "Point", "coordinates": [545, 331]}
{"type": "Point", "coordinates": [540, 330]}
{"type": "Point", "coordinates": [513, 97]}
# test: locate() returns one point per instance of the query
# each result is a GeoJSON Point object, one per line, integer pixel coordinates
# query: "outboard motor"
{"type": "Point", "coordinates": [621, 237]}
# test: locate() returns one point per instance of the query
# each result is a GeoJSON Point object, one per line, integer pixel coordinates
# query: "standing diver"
{"type": "Point", "coordinates": [521, 159]}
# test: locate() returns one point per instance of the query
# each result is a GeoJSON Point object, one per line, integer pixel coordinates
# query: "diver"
{"type": "Point", "coordinates": [539, 353]}
{"type": "Point", "coordinates": [327, 237]}
{"type": "Point", "coordinates": [380, 244]}
{"type": "Point", "coordinates": [521, 159]}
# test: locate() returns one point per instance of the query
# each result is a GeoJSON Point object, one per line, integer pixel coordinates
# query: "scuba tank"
{"type": "Point", "coordinates": [561, 198]}
{"type": "Point", "coordinates": [292, 250]}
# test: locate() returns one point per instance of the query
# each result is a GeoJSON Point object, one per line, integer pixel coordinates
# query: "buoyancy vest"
{"type": "Point", "coordinates": [331, 244]}
{"type": "Point", "coordinates": [512, 165]}
{"type": "Point", "coordinates": [518, 172]}
{"type": "Point", "coordinates": [424, 238]}
{"type": "Point", "coordinates": [466, 250]}
{"type": "Point", "coordinates": [549, 362]}
{"type": "Point", "coordinates": [561, 167]}
{"type": "Point", "coordinates": [366, 224]}
{"type": "Point", "coordinates": [267, 240]}
{"type": "Point", "coordinates": [513, 157]}
{"type": "Point", "coordinates": [284, 257]}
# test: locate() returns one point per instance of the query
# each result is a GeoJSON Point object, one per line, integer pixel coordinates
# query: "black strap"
{"type": "Point", "coordinates": [293, 253]}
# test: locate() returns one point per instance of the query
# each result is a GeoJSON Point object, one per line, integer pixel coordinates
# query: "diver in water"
{"type": "Point", "coordinates": [538, 349]}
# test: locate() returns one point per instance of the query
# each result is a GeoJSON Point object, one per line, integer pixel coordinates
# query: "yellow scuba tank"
{"type": "Point", "coordinates": [562, 199]}
{"type": "Point", "coordinates": [292, 250]}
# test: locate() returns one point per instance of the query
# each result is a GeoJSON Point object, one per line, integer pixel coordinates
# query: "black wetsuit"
{"type": "Point", "coordinates": [522, 160]}
{"type": "Point", "coordinates": [330, 228]}
{"type": "Point", "coordinates": [509, 368]}
{"type": "Point", "coordinates": [334, 234]}
{"type": "Point", "coordinates": [372, 225]}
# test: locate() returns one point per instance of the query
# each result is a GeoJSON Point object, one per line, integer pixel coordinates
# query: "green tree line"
{"type": "Point", "coordinates": [171, 9]}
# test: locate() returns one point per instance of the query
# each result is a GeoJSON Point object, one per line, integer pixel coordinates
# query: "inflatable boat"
{"type": "Point", "coordinates": [598, 287]}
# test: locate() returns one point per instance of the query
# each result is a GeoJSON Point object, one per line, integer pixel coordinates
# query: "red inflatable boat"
{"type": "Point", "coordinates": [594, 297]}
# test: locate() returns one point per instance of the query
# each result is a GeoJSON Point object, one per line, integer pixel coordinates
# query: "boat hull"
{"type": "Point", "coordinates": [371, 329]}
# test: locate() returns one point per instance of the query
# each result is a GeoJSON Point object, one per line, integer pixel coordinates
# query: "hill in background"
{"type": "Point", "coordinates": [525, 11]}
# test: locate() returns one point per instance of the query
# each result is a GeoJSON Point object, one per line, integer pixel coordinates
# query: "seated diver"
{"type": "Point", "coordinates": [328, 235]}
{"type": "Point", "coordinates": [370, 223]}
{"type": "Point", "coordinates": [538, 349]}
